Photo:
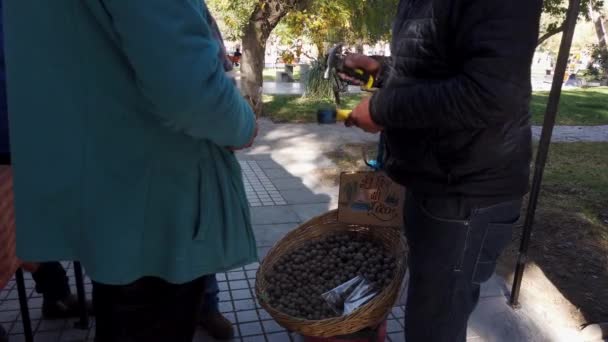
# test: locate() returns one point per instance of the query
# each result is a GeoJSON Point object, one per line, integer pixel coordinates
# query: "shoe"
{"type": "Point", "coordinates": [64, 308]}
{"type": "Point", "coordinates": [217, 326]}
{"type": "Point", "coordinates": [3, 334]}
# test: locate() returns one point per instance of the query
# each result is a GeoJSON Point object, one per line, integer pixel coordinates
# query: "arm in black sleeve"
{"type": "Point", "coordinates": [492, 79]}
{"type": "Point", "coordinates": [385, 64]}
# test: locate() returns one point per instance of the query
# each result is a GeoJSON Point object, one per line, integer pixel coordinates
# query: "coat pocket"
{"type": "Point", "coordinates": [496, 239]}
{"type": "Point", "coordinates": [222, 201]}
{"type": "Point", "coordinates": [445, 238]}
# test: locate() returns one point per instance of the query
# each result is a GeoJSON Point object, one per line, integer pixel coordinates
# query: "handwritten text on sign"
{"type": "Point", "coordinates": [370, 198]}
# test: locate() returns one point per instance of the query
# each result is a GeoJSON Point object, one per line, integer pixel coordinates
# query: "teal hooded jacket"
{"type": "Point", "coordinates": [121, 117]}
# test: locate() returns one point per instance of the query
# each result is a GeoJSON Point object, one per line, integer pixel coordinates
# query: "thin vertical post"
{"type": "Point", "coordinates": [25, 313]}
{"type": "Point", "coordinates": [545, 142]}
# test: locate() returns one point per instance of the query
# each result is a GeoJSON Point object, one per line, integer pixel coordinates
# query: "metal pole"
{"type": "Point", "coordinates": [83, 323]}
{"type": "Point", "coordinates": [25, 313]}
{"type": "Point", "coordinates": [545, 141]}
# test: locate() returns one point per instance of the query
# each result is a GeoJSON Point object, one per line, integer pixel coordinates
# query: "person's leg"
{"type": "Point", "coordinates": [149, 310]}
{"type": "Point", "coordinates": [210, 295]}
{"type": "Point", "coordinates": [53, 283]}
{"type": "Point", "coordinates": [211, 318]}
{"type": "Point", "coordinates": [453, 249]}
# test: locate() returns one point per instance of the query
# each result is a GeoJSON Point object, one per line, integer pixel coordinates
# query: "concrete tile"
{"type": "Point", "coordinates": [268, 235]}
{"type": "Point", "coordinates": [17, 328]}
{"type": "Point", "coordinates": [222, 285]}
{"type": "Point", "coordinates": [273, 215]}
{"type": "Point", "coordinates": [230, 316]}
{"type": "Point", "coordinates": [398, 312]}
{"type": "Point", "coordinates": [262, 251]}
{"type": "Point", "coordinates": [224, 296]}
{"type": "Point", "coordinates": [256, 338]}
{"type": "Point", "coordinates": [243, 305]}
{"type": "Point", "coordinates": [239, 285]}
{"type": "Point", "coordinates": [493, 320]}
{"type": "Point", "coordinates": [248, 329]}
{"type": "Point", "coordinates": [307, 211]}
{"type": "Point", "coordinates": [289, 184]}
{"type": "Point", "coordinates": [236, 275]}
{"type": "Point", "coordinates": [278, 173]}
{"type": "Point", "coordinates": [264, 315]}
{"type": "Point", "coordinates": [251, 274]}
{"type": "Point", "coordinates": [8, 315]}
{"type": "Point", "coordinates": [396, 337]}
{"type": "Point", "coordinates": [13, 294]}
{"type": "Point", "coordinates": [253, 266]}
{"type": "Point", "coordinates": [495, 287]}
{"type": "Point", "coordinates": [241, 294]}
{"type": "Point", "coordinates": [304, 197]}
{"type": "Point", "coordinates": [295, 337]}
{"type": "Point", "coordinates": [35, 314]}
{"type": "Point", "coordinates": [278, 337]}
{"type": "Point", "coordinates": [226, 307]}
{"type": "Point", "coordinates": [268, 164]}
{"type": "Point", "coordinates": [272, 326]}
{"type": "Point", "coordinates": [10, 304]}
{"type": "Point", "coordinates": [247, 316]}
{"type": "Point", "coordinates": [393, 326]}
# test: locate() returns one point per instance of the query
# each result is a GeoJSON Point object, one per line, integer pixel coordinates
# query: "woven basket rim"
{"type": "Point", "coordinates": [375, 310]}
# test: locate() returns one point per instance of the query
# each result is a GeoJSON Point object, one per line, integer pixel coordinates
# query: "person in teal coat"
{"type": "Point", "coordinates": [122, 127]}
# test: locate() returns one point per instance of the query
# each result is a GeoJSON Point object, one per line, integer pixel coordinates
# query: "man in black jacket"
{"type": "Point", "coordinates": [453, 106]}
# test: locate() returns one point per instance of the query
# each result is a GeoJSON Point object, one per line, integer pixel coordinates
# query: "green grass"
{"type": "Point", "coordinates": [577, 107]}
{"type": "Point", "coordinates": [296, 109]}
{"type": "Point", "coordinates": [576, 179]}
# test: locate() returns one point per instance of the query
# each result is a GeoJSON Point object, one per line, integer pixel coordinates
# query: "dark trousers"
{"type": "Point", "coordinates": [210, 296]}
{"type": "Point", "coordinates": [454, 244]}
{"type": "Point", "coordinates": [147, 310]}
{"type": "Point", "coordinates": [51, 281]}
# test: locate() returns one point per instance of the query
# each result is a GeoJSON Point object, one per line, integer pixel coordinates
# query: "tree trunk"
{"type": "Point", "coordinates": [265, 17]}
{"type": "Point", "coordinates": [600, 30]}
{"type": "Point", "coordinates": [252, 67]}
{"type": "Point", "coordinates": [359, 46]}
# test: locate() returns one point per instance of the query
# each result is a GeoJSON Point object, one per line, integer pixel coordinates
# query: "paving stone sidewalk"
{"type": "Point", "coordinates": [282, 202]}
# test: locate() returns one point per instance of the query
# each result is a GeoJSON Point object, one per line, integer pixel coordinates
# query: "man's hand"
{"type": "Point", "coordinates": [357, 61]}
{"type": "Point", "coordinates": [250, 143]}
{"type": "Point", "coordinates": [362, 118]}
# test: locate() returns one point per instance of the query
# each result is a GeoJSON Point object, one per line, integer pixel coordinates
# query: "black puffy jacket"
{"type": "Point", "coordinates": [455, 96]}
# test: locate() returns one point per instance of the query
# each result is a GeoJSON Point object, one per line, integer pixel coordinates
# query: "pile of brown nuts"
{"type": "Point", "coordinates": [299, 278]}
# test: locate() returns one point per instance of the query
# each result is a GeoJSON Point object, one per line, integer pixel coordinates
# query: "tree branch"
{"type": "Point", "coordinates": [550, 34]}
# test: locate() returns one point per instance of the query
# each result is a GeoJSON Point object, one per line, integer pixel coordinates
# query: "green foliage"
{"type": "Point", "coordinates": [554, 15]}
{"type": "Point", "coordinates": [317, 87]}
{"type": "Point", "coordinates": [598, 68]}
{"type": "Point", "coordinates": [232, 15]}
{"type": "Point", "coordinates": [333, 21]}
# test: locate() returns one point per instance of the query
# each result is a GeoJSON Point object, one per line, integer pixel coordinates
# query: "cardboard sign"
{"type": "Point", "coordinates": [370, 198]}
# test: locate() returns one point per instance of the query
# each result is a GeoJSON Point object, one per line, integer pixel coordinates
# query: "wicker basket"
{"type": "Point", "coordinates": [369, 315]}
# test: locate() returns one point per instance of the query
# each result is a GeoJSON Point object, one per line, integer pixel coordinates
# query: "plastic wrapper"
{"type": "Point", "coordinates": [350, 296]}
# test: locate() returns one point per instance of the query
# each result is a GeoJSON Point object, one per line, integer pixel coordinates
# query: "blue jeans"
{"type": "Point", "coordinates": [454, 245]}
{"type": "Point", "coordinates": [210, 299]}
